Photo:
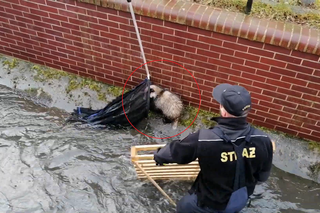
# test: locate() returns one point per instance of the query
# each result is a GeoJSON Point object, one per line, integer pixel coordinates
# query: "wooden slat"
{"type": "Point", "coordinates": [168, 171]}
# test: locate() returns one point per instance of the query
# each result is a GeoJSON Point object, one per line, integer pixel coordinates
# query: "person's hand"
{"type": "Point", "coordinates": [155, 158]}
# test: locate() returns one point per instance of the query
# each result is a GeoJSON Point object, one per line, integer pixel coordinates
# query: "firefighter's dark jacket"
{"type": "Point", "coordinates": [214, 183]}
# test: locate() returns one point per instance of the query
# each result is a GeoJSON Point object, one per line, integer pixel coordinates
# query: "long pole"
{"type": "Point", "coordinates": [138, 36]}
{"type": "Point", "coordinates": [155, 184]}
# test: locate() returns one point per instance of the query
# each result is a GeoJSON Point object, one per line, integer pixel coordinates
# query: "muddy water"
{"type": "Point", "coordinates": [47, 168]}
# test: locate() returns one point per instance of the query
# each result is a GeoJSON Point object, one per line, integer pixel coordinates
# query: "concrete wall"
{"type": "Point", "coordinates": [278, 62]}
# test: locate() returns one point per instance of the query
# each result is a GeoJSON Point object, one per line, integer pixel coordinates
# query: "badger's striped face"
{"type": "Point", "coordinates": [154, 91]}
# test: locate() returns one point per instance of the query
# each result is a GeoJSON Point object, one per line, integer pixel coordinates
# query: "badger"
{"type": "Point", "coordinates": [168, 103]}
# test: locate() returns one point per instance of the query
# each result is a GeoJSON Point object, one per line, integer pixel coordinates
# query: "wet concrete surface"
{"type": "Point", "coordinates": [48, 167]}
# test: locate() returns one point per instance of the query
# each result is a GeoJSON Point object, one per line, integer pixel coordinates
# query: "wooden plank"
{"type": "Point", "coordinates": [169, 167]}
{"type": "Point", "coordinates": [171, 171]}
{"type": "Point", "coordinates": [168, 171]}
{"type": "Point", "coordinates": [148, 147]}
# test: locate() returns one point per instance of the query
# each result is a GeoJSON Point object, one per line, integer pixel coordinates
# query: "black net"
{"type": "Point", "coordinates": [136, 104]}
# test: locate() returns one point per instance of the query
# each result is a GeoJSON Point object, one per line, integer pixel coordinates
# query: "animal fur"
{"type": "Point", "coordinates": [168, 103]}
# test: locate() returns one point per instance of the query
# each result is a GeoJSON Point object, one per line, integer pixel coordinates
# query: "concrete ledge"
{"type": "Point", "coordinates": [283, 34]}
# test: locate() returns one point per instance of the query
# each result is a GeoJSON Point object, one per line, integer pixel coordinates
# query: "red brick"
{"type": "Point", "coordinates": [278, 83]}
{"type": "Point", "coordinates": [2, 44]}
{"type": "Point", "coordinates": [304, 89]}
{"type": "Point", "coordinates": [211, 41]}
{"type": "Point", "coordinates": [118, 19]}
{"type": "Point", "coordinates": [280, 113]}
{"type": "Point", "coordinates": [184, 48]}
{"type": "Point", "coordinates": [222, 50]}
{"type": "Point", "coordinates": [258, 65]}
{"type": "Point", "coordinates": [228, 71]}
{"type": "Point", "coordinates": [284, 103]}
{"type": "Point", "coordinates": [161, 42]}
{"type": "Point", "coordinates": [33, 60]}
{"type": "Point", "coordinates": [283, 71]}
{"type": "Point", "coordinates": [267, 115]}
{"type": "Point", "coordinates": [32, 16]}
{"type": "Point", "coordinates": [208, 53]}
{"type": "Point", "coordinates": [311, 98]}
{"type": "Point", "coordinates": [20, 8]}
{"type": "Point", "coordinates": [261, 52]}
{"type": "Point", "coordinates": [15, 12]}
{"type": "Point", "coordinates": [198, 44]}
{"type": "Point", "coordinates": [308, 109]}
{"type": "Point", "coordinates": [271, 105]}
{"type": "Point", "coordinates": [8, 40]}
{"type": "Point", "coordinates": [83, 56]}
{"type": "Point", "coordinates": [273, 62]}
{"type": "Point", "coordinates": [288, 58]}
{"type": "Point", "coordinates": [86, 18]}
{"type": "Point", "coordinates": [174, 39]}
{"type": "Point", "coordinates": [232, 59]}
{"type": "Point", "coordinates": [183, 60]}
{"type": "Point", "coordinates": [39, 12]}
{"type": "Point", "coordinates": [191, 69]}
{"type": "Point", "coordinates": [161, 54]}
{"type": "Point", "coordinates": [2, 29]}
{"type": "Point", "coordinates": [277, 49]}
{"type": "Point", "coordinates": [173, 51]}
{"type": "Point", "coordinates": [275, 122]}
{"type": "Point", "coordinates": [76, 9]}
{"type": "Point", "coordinates": [44, 59]}
{"type": "Point", "coordinates": [294, 81]}
{"type": "Point", "coordinates": [162, 29]}
{"type": "Point", "coordinates": [89, 31]}
{"type": "Point", "coordinates": [234, 46]}
{"type": "Point", "coordinates": [288, 131]}
{"type": "Point", "coordinates": [261, 97]}
{"type": "Point", "coordinates": [203, 76]}
{"type": "Point", "coordinates": [268, 74]}
{"type": "Point", "coordinates": [56, 4]}
{"type": "Point", "coordinates": [17, 38]}
{"type": "Point", "coordinates": [257, 117]}
{"type": "Point", "coordinates": [274, 95]}
{"type": "Point", "coordinates": [29, 4]}
{"type": "Point", "coordinates": [314, 86]}
{"type": "Point", "coordinates": [29, 46]}
{"type": "Point", "coordinates": [250, 43]}
{"type": "Point", "coordinates": [308, 77]}
{"type": "Point", "coordinates": [94, 63]}
{"type": "Point", "coordinates": [310, 137]}
{"type": "Point", "coordinates": [27, 54]}
{"type": "Point", "coordinates": [237, 79]}
{"type": "Point", "coordinates": [313, 116]}
{"type": "Point", "coordinates": [219, 62]}
{"type": "Point", "coordinates": [67, 13]}
{"type": "Point", "coordinates": [289, 92]}
{"type": "Point", "coordinates": [5, 20]}
{"type": "Point", "coordinates": [183, 34]}
{"type": "Point", "coordinates": [299, 101]}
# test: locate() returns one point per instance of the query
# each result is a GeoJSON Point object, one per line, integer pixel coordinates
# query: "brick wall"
{"type": "Point", "coordinates": [279, 63]}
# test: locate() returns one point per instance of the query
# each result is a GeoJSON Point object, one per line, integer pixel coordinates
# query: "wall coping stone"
{"type": "Point", "coordinates": [284, 34]}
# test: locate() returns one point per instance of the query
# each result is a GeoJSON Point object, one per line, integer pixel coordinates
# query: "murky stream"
{"type": "Point", "coordinates": [47, 168]}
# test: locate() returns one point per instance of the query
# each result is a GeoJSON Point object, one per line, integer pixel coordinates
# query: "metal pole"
{"type": "Point", "coordinates": [138, 36]}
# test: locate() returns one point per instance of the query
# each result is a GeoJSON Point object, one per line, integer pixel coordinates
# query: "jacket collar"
{"type": "Point", "coordinates": [231, 123]}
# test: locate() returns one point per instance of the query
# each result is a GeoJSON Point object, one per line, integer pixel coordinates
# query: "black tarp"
{"type": "Point", "coordinates": [136, 104]}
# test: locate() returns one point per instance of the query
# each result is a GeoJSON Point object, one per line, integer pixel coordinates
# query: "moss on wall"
{"type": "Point", "coordinates": [44, 73]}
{"type": "Point", "coordinates": [314, 170]}
{"type": "Point", "coordinates": [10, 64]}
